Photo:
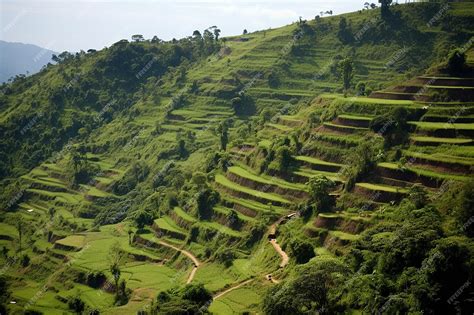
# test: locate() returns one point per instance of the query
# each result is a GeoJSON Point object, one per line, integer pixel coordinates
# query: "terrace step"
{"type": "Point", "coordinates": [444, 81]}
{"type": "Point", "coordinates": [442, 130]}
{"type": "Point", "coordinates": [249, 208]}
{"type": "Point", "coordinates": [351, 224]}
{"type": "Point", "coordinates": [411, 174]}
{"type": "Point", "coordinates": [279, 127]}
{"type": "Point", "coordinates": [437, 141]}
{"type": "Point", "coordinates": [319, 165]}
{"type": "Point", "coordinates": [380, 193]}
{"type": "Point", "coordinates": [290, 121]}
{"type": "Point", "coordinates": [447, 118]}
{"type": "Point", "coordinates": [247, 193]}
{"type": "Point", "coordinates": [166, 226]}
{"type": "Point", "coordinates": [181, 218]}
{"type": "Point", "coordinates": [400, 96]}
{"type": "Point", "coordinates": [274, 185]}
{"type": "Point", "coordinates": [441, 162]}
{"type": "Point", "coordinates": [342, 128]}
{"type": "Point", "coordinates": [353, 121]}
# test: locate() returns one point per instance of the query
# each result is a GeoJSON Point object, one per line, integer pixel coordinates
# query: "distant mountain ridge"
{"type": "Point", "coordinates": [19, 58]}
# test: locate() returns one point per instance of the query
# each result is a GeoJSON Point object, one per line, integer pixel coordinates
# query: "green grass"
{"type": "Point", "coordinates": [8, 230]}
{"type": "Point", "coordinates": [77, 241]}
{"type": "Point", "coordinates": [344, 236]}
{"type": "Point", "coordinates": [222, 180]}
{"type": "Point", "coordinates": [354, 117]}
{"type": "Point", "coordinates": [280, 127]}
{"type": "Point", "coordinates": [439, 157]}
{"type": "Point", "coordinates": [187, 217]}
{"type": "Point", "coordinates": [167, 223]}
{"type": "Point", "coordinates": [306, 172]}
{"type": "Point", "coordinates": [441, 125]}
{"type": "Point", "coordinates": [425, 172]}
{"type": "Point", "coordinates": [441, 140]}
{"type": "Point", "coordinates": [315, 161]}
{"type": "Point", "coordinates": [273, 181]}
{"type": "Point", "coordinates": [243, 299]}
{"type": "Point", "coordinates": [379, 187]}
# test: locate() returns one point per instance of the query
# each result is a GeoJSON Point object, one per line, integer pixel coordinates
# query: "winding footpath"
{"type": "Point", "coordinates": [218, 295]}
{"type": "Point", "coordinates": [284, 259]}
{"type": "Point", "coordinates": [189, 255]}
{"type": "Point", "coordinates": [284, 256]}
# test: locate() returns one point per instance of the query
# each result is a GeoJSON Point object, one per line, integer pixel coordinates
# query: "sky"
{"type": "Point", "coordinates": [73, 25]}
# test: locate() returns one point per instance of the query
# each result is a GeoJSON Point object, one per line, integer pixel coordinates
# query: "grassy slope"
{"type": "Point", "coordinates": [260, 53]}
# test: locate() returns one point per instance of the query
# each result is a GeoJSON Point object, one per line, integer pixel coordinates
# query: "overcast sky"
{"type": "Point", "coordinates": [83, 24]}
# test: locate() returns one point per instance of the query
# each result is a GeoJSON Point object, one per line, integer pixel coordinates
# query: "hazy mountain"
{"type": "Point", "coordinates": [19, 58]}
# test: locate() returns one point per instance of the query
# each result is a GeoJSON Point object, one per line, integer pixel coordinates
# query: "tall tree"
{"type": "Point", "coordinates": [222, 129]}
{"type": "Point", "coordinates": [385, 8]}
{"type": "Point", "coordinates": [347, 69]}
{"type": "Point", "coordinates": [20, 228]}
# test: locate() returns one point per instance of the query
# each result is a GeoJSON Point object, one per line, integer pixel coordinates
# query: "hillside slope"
{"type": "Point", "coordinates": [177, 162]}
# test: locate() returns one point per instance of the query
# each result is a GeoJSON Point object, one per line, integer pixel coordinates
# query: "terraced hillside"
{"type": "Point", "coordinates": [232, 168]}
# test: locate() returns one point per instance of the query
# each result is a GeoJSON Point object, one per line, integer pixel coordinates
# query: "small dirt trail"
{"type": "Point", "coordinates": [189, 255]}
{"type": "Point", "coordinates": [284, 256]}
{"type": "Point", "coordinates": [272, 238]}
{"type": "Point", "coordinates": [218, 295]}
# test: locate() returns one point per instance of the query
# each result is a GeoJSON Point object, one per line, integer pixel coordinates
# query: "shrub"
{"type": "Point", "coordinates": [456, 62]}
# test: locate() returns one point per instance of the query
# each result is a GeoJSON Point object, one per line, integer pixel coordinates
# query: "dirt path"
{"type": "Point", "coordinates": [218, 295]}
{"type": "Point", "coordinates": [284, 256]}
{"type": "Point", "coordinates": [189, 255]}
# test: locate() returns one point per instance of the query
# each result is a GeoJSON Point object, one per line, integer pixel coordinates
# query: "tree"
{"type": "Point", "coordinates": [418, 196]}
{"type": "Point", "coordinates": [302, 251]}
{"type": "Point", "coordinates": [197, 34]}
{"type": "Point", "coordinates": [205, 201]}
{"type": "Point", "coordinates": [137, 38]}
{"type": "Point", "coordinates": [130, 233]}
{"type": "Point", "coordinates": [76, 304]}
{"type": "Point", "coordinates": [284, 158]}
{"type": "Point", "coordinates": [319, 188]}
{"type": "Point", "coordinates": [199, 179]}
{"type": "Point", "coordinates": [344, 33]}
{"type": "Point", "coordinates": [20, 228]}
{"type": "Point", "coordinates": [217, 32]}
{"type": "Point", "coordinates": [143, 218]}
{"type": "Point", "coordinates": [223, 134]}
{"type": "Point", "coordinates": [51, 212]}
{"type": "Point", "coordinates": [456, 62]}
{"type": "Point", "coordinates": [347, 68]}
{"type": "Point", "coordinates": [197, 293]}
{"type": "Point", "coordinates": [385, 8]}
{"type": "Point", "coordinates": [116, 255]}
{"type": "Point", "coordinates": [245, 32]}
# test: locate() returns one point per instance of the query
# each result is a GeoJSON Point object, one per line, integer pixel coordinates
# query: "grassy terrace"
{"type": "Point", "coordinates": [253, 205]}
{"type": "Point", "coordinates": [441, 125]}
{"type": "Point", "coordinates": [166, 223]}
{"type": "Point", "coordinates": [440, 157]}
{"type": "Point", "coordinates": [280, 127]}
{"type": "Point", "coordinates": [184, 215]}
{"type": "Point", "coordinates": [264, 179]}
{"type": "Point", "coordinates": [354, 117]}
{"type": "Point", "coordinates": [222, 180]}
{"type": "Point", "coordinates": [220, 228]}
{"type": "Point", "coordinates": [344, 236]}
{"type": "Point", "coordinates": [379, 187]}
{"type": "Point", "coordinates": [344, 127]}
{"type": "Point", "coordinates": [8, 230]}
{"type": "Point", "coordinates": [424, 172]}
{"type": "Point", "coordinates": [76, 241]}
{"type": "Point", "coordinates": [226, 211]}
{"type": "Point", "coordinates": [306, 172]}
{"type": "Point", "coordinates": [315, 161]}
{"type": "Point", "coordinates": [437, 140]}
